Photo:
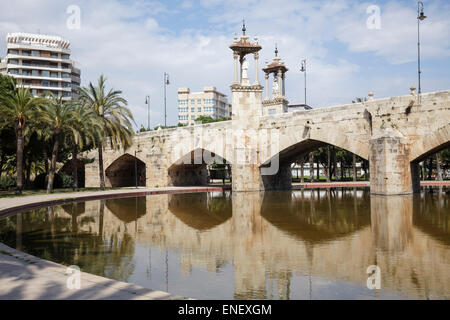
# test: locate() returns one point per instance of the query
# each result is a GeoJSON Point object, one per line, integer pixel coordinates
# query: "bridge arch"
{"type": "Point", "coordinates": [121, 172]}
{"type": "Point", "coordinates": [292, 145]}
{"type": "Point", "coordinates": [192, 168]}
{"type": "Point", "coordinates": [430, 144]}
{"type": "Point", "coordinates": [282, 179]}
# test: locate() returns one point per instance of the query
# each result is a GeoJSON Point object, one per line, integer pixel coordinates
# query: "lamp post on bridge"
{"type": "Point", "coordinates": [166, 83]}
{"type": "Point", "coordinates": [420, 17]}
{"type": "Point", "coordinates": [147, 101]}
{"type": "Point", "coordinates": [135, 164]}
{"type": "Point", "coordinates": [303, 69]}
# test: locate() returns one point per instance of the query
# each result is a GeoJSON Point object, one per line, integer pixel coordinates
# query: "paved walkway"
{"type": "Point", "coordinates": [349, 184]}
{"type": "Point", "coordinates": [25, 277]}
{"type": "Point", "coordinates": [14, 204]}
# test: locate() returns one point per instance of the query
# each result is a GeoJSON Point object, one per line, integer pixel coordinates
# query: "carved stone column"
{"type": "Point", "coordinates": [256, 56]}
{"type": "Point", "coordinates": [267, 86]}
{"type": "Point", "coordinates": [284, 90]}
{"type": "Point", "coordinates": [279, 83]}
{"type": "Point", "coordinates": [236, 56]}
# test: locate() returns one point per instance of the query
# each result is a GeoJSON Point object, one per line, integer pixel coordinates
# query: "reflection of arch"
{"type": "Point", "coordinates": [191, 168]}
{"type": "Point", "coordinates": [317, 220]}
{"type": "Point", "coordinates": [127, 209]}
{"type": "Point", "coordinates": [199, 212]}
{"type": "Point", "coordinates": [430, 144]}
{"type": "Point", "coordinates": [67, 169]}
{"type": "Point", "coordinates": [121, 173]}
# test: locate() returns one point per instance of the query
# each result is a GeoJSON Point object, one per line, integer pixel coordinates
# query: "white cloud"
{"type": "Point", "coordinates": [133, 43]}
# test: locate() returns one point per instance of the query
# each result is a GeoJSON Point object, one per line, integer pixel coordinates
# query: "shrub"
{"type": "Point", "coordinates": [7, 183]}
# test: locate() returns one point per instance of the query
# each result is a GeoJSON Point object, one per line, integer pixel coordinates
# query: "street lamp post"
{"type": "Point", "coordinates": [420, 17]}
{"type": "Point", "coordinates": [135, 164]}
{"type": "Point", "coordinates": [303, 69]}
{"type": "Point", "coordinates": [166, 82]}
{"type": "Point", "coordinates": [147, 101]}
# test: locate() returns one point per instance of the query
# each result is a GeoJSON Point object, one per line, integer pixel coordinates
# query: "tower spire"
{"type": "Point", "coordinates": [276, 50]}
{"type": "Point", "coordinates": [243, 27]}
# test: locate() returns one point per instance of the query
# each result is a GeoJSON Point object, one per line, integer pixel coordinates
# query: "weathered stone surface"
{"type": "Point", "coordinates": [394, 133]}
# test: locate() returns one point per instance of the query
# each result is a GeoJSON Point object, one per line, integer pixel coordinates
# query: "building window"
{"type": "Point", "coordinates": [192, 109]}
{"type": "Point", "coordinates": [45, 83]}
{"type": "Point", "coordinates": [199, 109]}
{"type": "Point", "coordinates": [54, 74]}
{"type": "Point", "coordinates": [64, 56]}
{"type": "Point", "coordinates": [199, 101]}
{"type": "Point", "coordinates": [35, 53]}
{"type": "Point", "coordinates": [45, 74]}
{"type": "Point", "coordinates": [272, 111]}
{"type": "Point", "coordinates": [65, 75]}
{"type": "Point", "coordinates": [13, 71]}
{"type": "Point", "coordinates": [182, 102]}
{"type": "Point", "coordinates": [13, 61]}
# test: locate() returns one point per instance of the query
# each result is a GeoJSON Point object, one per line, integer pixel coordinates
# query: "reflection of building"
{"type": "Point", "coordinates": [41, 63]}
{"type": "Point", "coordinates": [209, 103]}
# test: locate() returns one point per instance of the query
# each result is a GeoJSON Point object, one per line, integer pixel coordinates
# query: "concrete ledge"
{"type": "Point", "coordinates": [26, 277]}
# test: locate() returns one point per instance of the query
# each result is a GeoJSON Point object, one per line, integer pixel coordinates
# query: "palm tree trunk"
{"type": "Point", "coordinates": [75, 168]}
{"type": "Point", "coordinates": [318, 169]}
{"type": "Point", "coordinates": [100, 168]}
{"type": "Point", "coordinates": [354, 167]}
{"type": "Point", "coordinates": [45, 156]}
{"type": "Point", "coordinates": [51, 175]}
{"type": "Point", "coordinates": [28, 168]}
{"type": "Point", "coordinates": [334, 164]}
{"type": "Point", "coordinates": [328, 164]}
{"type": "Point", "coordinates": [438, 168]}
{"type": "Point", "coordinates": [302, 173]}
{"type": "Point", "coordinates": [19, 170]}
{"type": "Point", "coordinates": [1, 164]}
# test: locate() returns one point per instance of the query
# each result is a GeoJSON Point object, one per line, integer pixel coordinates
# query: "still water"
{"type": "Point", "coordinates": [310, 244]}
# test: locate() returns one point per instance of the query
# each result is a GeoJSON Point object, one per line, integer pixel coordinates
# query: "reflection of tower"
{"type": "Point", "coordinates": [278, 103]}
{"type": "Point", "coordinates": [391, 218]}
{"type": "Point", "coordinates": [249, 268]}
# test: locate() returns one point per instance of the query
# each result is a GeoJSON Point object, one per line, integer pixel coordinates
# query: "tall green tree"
{"type": "Point", "coordinates": [57, 116]}
{"type": "Point", "coordinates": [17, 107]}
{"type": "Point", "coordinates": [112, 111]}
{"type": "Point", "coordinates": [86, 133]}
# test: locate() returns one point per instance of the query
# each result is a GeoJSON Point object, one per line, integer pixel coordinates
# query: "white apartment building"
{"type": "Point", "coordinates": [41, 63]}
{"type": "Point", "coordinates": [210, 102]}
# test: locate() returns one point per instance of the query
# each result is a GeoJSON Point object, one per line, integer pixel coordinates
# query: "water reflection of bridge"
{"type": "Point", "coordinates": [269, 237]}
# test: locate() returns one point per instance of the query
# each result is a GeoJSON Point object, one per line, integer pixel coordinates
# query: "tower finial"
{"type": "Point", "coordinates": [243, 27]}
{"type": "Point", "coordinates": [276, 50]}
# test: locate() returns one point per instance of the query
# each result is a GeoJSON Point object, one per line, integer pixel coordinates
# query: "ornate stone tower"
{"type": "Point", "coordinates": [278, 103]}
{"type": "Point", "coordinates": [246, 97]}
{"type": "Point", "coordinates": [247, 109]}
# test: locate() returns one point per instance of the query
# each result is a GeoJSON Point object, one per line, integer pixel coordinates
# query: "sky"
{"type": "Point", "coordinates": [351, 47]}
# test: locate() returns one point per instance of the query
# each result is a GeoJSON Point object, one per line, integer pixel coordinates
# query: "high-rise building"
{"type": "Point", "coordinates": [41, 63]}
{"type": "Point", "coordinates": [210, 102]}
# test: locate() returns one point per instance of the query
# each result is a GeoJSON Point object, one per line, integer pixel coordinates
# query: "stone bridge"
{"type": "Point", "coordinates": [263, 139]}
{"type": "Point", "coordinates": [394, 134]}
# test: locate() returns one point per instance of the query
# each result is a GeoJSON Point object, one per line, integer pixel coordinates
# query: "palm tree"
{"type": "Point", "coordinates": [17, 106]}
{"type": "Point", "coordinates": [86, 130]}
{"type": "Point", "coordinates": [57, 116]}
{"type": "Point", "coordinates": [116, 118]}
